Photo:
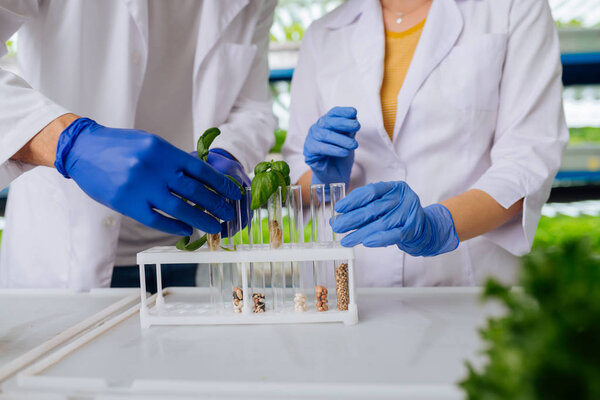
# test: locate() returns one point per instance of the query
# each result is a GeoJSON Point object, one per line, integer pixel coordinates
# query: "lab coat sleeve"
{"type": "Point", "coordinates": [23, 111]}
{"type": "Point", "coordinates": [305, 107]}
{"type": "Point", "coordinates": [531, 133]}
{"type": "Point", "coordinates": [248, 133]}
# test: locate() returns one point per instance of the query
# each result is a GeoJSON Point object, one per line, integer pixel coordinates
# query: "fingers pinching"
{"type": "Point", "coordinates": [208, 175]}
{"type": "Point", "coordinates": [344, 112]}
{"type": "Point", "coordinates": [363, 195]}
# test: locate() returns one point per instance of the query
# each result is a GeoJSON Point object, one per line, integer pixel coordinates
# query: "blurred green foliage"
{"type": "Point", "coordinates": [553, 231]}
{"type": "Point", "coordinates": [586, 134]}
{"type": "Point", "coordinates": [265, 232]}
{"type": "Point", "coordinates": [547, 345]}
{"type": "Point", "coordinates": [280, 135]}
{"type": "Point", "coordinates": [574, 23]}
{"type": "Point", "coordinates": [11, 46]}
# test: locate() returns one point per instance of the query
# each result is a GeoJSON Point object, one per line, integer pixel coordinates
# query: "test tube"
{"type": "Point", "coordinates": [257, 273]}
{"type": "Point", "coordinates": [320, 237]}
{"type": "Point", "coordinates": [216, 286]}
{"type": "Point", "coordinates": [275, 220]}
{"type": "Point", "coordinates": [233, 240]}
{"type": "Point", "coordinates": [274, 211]}
{"type": "Point", "coordinates": [215, 272]}
{"type": "Point", "coordinates": [257, 269]}
{"type": "Point", "coordinates": [342, 291]}
{"type": "Point", "coordinates": [234, 227]}
{"type": "Point", "coordinates": [213, 241]}
{"type": "Point", "coordinates": [296, 231]}
{"type": "Point", "coordinates": [237, 292]}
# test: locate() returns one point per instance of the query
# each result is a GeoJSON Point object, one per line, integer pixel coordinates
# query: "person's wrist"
{"type": "Point", "coordinates": [41, 149]}
{"type": "Point", "coordinates": [66, 141]}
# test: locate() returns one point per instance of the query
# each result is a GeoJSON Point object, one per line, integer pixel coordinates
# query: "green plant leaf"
{"type": "Point", "coordinates": [239, 185]}
{"type": "Point", "coordinates": [263, 185]}
{"type": "Point", "coordinates": [268, 176]}
{"type": "Point", "coordinates": [185, 245]}
{"type": "Point", "coordinates": [205, 141]}
{"type": "Point", "coordinates": [281, 166]}
{"type": "Point", "coordinates": [181, 243]}
{"type": "Point", "coordinates": [280, 182]}
{"type": "Point", "coordinates": [262, 167]}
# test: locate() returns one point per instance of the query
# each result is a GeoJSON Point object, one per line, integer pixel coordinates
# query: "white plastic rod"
{"type": "Point", "coordinates": [25, 359]}
{"type": "Point", "coordinates": [160, 299]}
{"type": "Point", "coordinates": [61, 353]}
{"type": "Point", "coordinates": [247, 295]}
{"type": "Point", "coordinates": [143, 285]}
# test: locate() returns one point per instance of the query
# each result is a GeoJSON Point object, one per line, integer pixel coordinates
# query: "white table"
{"type": "Point", "coordinates": [31, 317]}
{"type": "Point", "coordinates": [409, 343]}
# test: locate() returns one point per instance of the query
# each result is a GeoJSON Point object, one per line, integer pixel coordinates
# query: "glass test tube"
{"type": "Point", "coordinates": [257, 270]}
{"type": "Point", "coordinates": [319, 236]}
{"type": "Point", "coordinates": [337, 192]}
{"type": "Point", "coordinates": [233, 240]}
{"type": "Point", "coordinates": [274, 211]}
{"type": "Point", "coordinates": [296, 230]}
{"type": "Point", "coordinates": [216, 286]}
{"type": "Point", "coordinates": [215, 274]}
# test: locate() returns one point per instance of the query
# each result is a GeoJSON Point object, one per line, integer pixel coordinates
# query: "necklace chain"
{"type": "Point", "coordinates": [402, 14]}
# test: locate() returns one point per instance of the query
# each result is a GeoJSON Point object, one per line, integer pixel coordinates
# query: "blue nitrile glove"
{"type": "Point", "coordinates": [136, 173]}
{"type": "Point", "coordinates": [387, 213]}
{"type": "Point", "coordinates": [225, 163]}
{"type": "Point", "coordinates": [330, 144]}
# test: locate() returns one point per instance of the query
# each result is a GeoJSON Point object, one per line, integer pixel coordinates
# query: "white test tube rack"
{"type": "Point", "coordinates": [160, 314]}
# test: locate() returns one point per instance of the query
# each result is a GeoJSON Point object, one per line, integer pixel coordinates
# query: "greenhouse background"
{"type": "Point", "coordinates": [574, 204]}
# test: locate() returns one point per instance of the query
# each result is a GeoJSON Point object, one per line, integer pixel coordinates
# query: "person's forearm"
{"type": "Point", "coordinates": [475, 212]}
{"type": "Point", "coordinates": [305, 181]}
{"type": "Point", "coordinates": [41, 149]}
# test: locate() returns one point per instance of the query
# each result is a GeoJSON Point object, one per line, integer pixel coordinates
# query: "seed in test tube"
{"type": "Point", "coordinates": [275, 234]}
{"type": "Point", "coordinates": [238, 300]}
{"type": "Point", "coordinates": [299, 302]}
{"type": "Point", "coordinates": [213, 240]}
{"type": "Point", "coordinates": [259, 302]}
{"type": "Point", "coordinates": [341, 287]}
{"type": "Point", "coordinates": [321, 298]}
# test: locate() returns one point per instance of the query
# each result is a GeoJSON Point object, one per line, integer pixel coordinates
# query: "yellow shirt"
{"type": "Point", "coordinates": [399, 50]}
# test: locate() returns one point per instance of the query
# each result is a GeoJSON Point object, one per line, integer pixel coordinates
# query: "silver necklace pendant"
{"type": "Point", "coordinates": [399, 20]}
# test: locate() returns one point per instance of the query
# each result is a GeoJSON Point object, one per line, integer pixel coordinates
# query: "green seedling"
{"type": "Point", "coordinates": [268, 176]}
{"type": "Point", "coordinates": [203, 147]}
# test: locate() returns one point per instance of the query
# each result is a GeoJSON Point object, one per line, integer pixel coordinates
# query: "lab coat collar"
{"type": "Point", "coordinates": [138, 9]}
{"type": "Point", "coordinates": [442, 29]}
{"type": "Point", "coordinates": [346, 14]}
{"type": "Point", "coordinates": [216, 17]}
{"type": "Point", "coordinates": [368, 50]}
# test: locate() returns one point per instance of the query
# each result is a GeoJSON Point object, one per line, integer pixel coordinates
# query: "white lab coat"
{"type": "Point", "coordinates": [481, 107]}
{"type": "Point", "coordinates": [89, 57]}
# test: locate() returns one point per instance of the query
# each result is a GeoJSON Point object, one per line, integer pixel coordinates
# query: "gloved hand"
{"type": "Point", "coordinates": [388, 213]}
{"type": "Point", "coordinates": [330, 144]}
{"type": "Point", "coordinates": [136, 173]}
{"type": "Point", "coordinates": [224, 162]}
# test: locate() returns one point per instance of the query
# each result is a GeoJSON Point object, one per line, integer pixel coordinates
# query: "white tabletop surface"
{"type": "Point", "coordinates": [30, 317]}
{"type": "Point", "coordinates": [409, 343]}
